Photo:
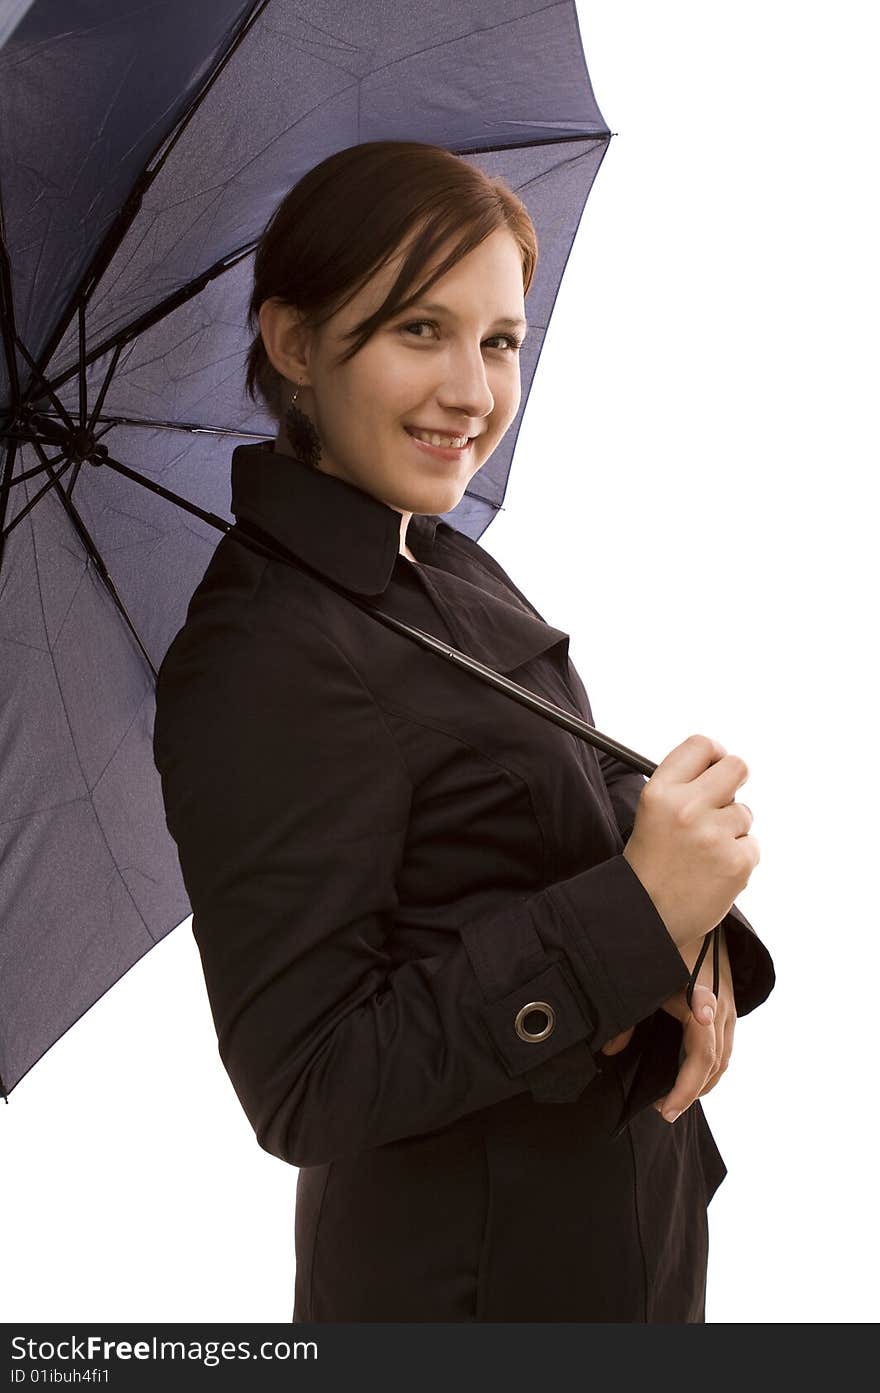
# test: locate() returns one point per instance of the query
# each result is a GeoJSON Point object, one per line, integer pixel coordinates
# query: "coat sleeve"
{"type": "Point", "coordinates": [289, 801]}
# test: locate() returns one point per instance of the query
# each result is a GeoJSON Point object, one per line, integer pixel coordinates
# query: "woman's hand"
{"type": "Point", "coordinates": [708, 1044]}
{"type": "Point", "coordinates": [691, 845]}
{"type": "Point", "coordinates": [708, 1041]}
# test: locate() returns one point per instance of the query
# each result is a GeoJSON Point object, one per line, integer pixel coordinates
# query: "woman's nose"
{"type": "Point", "coordinates": [465, 387]}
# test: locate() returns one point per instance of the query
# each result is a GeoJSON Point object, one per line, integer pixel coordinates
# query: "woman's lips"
{"type": "Point", "coordinates": [440, 451]}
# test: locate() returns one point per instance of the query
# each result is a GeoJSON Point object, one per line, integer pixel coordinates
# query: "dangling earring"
{"type": "Point", "coordinates": [305, 442]}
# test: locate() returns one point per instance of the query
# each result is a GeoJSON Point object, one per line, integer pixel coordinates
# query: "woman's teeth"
{"type": "Point", "coordinates": [445, 442]}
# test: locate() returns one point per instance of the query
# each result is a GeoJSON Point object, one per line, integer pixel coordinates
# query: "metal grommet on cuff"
{"type": "Point", "coordinates": [529, 1035]}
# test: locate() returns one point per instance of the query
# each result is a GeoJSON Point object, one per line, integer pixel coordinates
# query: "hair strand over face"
{"type": "Point", "coordinates": [349, 215]}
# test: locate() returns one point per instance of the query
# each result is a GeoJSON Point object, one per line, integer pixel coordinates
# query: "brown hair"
{"type": "Point", "coordinates": [347, 217]}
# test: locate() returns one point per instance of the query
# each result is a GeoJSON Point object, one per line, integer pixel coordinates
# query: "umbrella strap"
{"type": "Point", "coordinates": [713, 936]}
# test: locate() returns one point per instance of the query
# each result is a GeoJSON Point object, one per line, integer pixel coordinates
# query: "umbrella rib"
{"type": "Point", "coordinates": [46, 383]}
{"type": "Point", "coordinates": [53, 479]}
{"type": "Point", "coordinates": [189, 427]}
{"type": "Point", "coordinates": [89, 544]}
{"type": "Point", "coordinates": [5, 486]}
{"type": "Point", "coordinates": [602, 135]}
{"type": "Point", "coordinates": [245, 25]}
{"type": "Point", "coordinates": [81, 326]}
{"type": "Point", "coordinates": [222, 523]}
{"type": "Point", "coordinates": [498, 507]}
{"type": "Point", "coordinates": [108, 377]}
{"type": "Point", "coordinates": [132, 330]}
{"type": "Point", "coordinates": [38, 468]}
{"type": "Point", "coordinates": [132, 205]}
{"type": "Point", "coordinates": [7, 311]}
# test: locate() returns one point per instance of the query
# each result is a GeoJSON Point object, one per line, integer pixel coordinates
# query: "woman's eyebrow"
{"type": "Point", "coordinates": [511, 323]}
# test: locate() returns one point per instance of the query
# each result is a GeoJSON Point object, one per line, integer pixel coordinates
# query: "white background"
{"type": "Point", "coordinates": [694, 501]}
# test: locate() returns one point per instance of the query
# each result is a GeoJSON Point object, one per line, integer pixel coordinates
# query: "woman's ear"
{"type": "Point", "coordinates": [285, 339]}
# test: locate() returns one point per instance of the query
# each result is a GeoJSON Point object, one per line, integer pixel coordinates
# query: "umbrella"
{"type": "Point", "coordinates": [143, 151]}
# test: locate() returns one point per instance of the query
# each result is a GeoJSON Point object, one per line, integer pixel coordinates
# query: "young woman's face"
{"type": "Point", "coordinates": [450, 368]}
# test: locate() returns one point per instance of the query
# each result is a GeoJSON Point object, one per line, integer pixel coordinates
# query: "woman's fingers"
{"type": "Point", "coordinates": [725, 1052]}
{"type": "Point", "coordinates": [708, 1042]}
{"type": "Point", "coordinates": [618, 1042]}
{"type": "Point", "coordinates": [702, 997]}
{"type": "Point", "coordinates": [704, 1004]}
{"type": "Point", "coordinates": [699, 1065]}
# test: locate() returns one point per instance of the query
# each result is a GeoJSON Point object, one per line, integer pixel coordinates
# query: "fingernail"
{"type": "Point", "coordinates": [671, 1116]}
{"type": "Point", "coordinates": [708, 1014]}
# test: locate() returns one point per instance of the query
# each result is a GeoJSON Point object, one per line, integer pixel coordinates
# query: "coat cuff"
{"type": "Point", "coordinates": [751, 966]}
{"type": "Point", "coordinates": [565, 970]}
{"type": "Point", "coordinates": [624, 955]}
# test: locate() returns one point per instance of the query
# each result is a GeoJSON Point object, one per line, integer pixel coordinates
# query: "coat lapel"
{"type": "Point", "coordinates": [491, 626]}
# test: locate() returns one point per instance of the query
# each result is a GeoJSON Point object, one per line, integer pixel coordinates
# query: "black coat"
{"type": "Point", "coordinates": [387, 860]}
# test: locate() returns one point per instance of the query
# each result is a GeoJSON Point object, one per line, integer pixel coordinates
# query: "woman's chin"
{"type": "Point", "coordinates": [438, 495]}
{"type": "Point", "coordinates": [437, 501]}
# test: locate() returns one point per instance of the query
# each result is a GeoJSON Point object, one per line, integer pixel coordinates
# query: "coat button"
{"type": "Point", "coordinates": [550, 1017]}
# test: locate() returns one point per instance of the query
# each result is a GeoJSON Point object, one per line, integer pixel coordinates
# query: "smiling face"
{"type": "Point", "coordinates": [453, 367]}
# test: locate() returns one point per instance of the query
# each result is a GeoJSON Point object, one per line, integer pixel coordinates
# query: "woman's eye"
{"type": "Point", "coordinates": [510, 339]}
{"type": "Point", "coordinates": [418, 324]}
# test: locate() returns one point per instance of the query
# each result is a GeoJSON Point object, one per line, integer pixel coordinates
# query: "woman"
{"type": "Point", "coordinates": [444, 941]}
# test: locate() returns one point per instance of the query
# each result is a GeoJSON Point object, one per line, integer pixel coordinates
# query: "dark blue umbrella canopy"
{"type": "Point", "coordinates": [142, 151]}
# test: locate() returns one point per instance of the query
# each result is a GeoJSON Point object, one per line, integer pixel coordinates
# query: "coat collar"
{"type": "Point", "coordinates": [309, 511]}
{"type": "Point", "coordinates": [354, 538]}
